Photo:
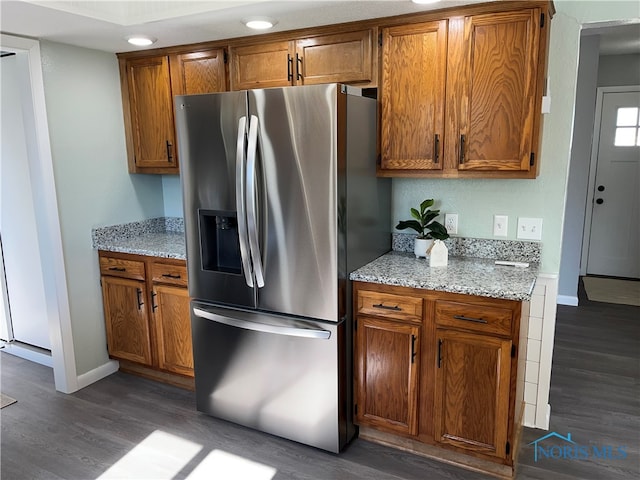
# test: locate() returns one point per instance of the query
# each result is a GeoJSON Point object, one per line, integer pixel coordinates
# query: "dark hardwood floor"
{"type": "Point", "coordinates": [48, 435]}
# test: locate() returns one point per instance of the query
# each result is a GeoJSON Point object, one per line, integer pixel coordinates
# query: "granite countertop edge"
{"type": "Point", "coordinates": [164, 238]}
{"type": "Point", "coordinates": [464, 275]}
{"type": "Point", "coordinates": [158, 237]}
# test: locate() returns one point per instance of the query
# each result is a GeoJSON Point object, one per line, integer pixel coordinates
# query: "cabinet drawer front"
{"type": "Point", "coordinates": [476, 317]}
{"type": "Point", "coordinates": [169, 274]}
{"type": "Point", "coordinates": [389, 305]}
{"type": "Point", "coordinates": [118, 267]}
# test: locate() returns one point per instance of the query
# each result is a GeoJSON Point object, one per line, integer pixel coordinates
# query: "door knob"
{"type": "Point", "coordinates": [599, 201]}
{"type": "Point", "coordinates": [601, 188]}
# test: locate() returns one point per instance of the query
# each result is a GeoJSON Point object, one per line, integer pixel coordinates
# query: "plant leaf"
{"type": "Point", "coordinates": [426, 204]}
{"type": "Point", "coordinates": [412, 224]}
{"type": "Point", "coordinates": [415, 214]}
{"type": "Point", "coordinates": [438, 231]}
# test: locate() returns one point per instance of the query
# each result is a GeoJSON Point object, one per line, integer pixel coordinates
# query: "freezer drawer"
{"type": "Point", "coordinates": [271, 373]}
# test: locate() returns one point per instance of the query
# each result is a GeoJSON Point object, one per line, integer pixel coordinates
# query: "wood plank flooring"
{"type": "Point", "coordinates": [595, 393]}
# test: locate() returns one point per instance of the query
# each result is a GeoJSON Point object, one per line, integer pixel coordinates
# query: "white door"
{"type": "Point", "coordinates": [614, 244]}
{"type": "Point", "coordinates": [22, 262]}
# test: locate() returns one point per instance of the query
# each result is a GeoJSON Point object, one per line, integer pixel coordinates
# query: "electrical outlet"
{"type": "Point", "coordinates": [500, 224]}
{"type": "Point", "coordinates": [530, 228]}
{"type": "Point", "coordinates": [451, 223]}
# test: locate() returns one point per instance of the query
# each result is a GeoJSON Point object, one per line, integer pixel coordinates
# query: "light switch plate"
{"type": "Point", "coordinates": [500, 225]}
{"type": "Point", "coordinates": [529, 228]}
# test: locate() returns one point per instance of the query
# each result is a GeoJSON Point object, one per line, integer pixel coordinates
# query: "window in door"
{"type": "Point", "coordinates": [627, 126]}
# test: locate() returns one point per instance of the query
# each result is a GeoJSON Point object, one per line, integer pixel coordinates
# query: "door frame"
{"type": "Point", "coordinates": [593, 166]}
{"type": "Point", "coordinates": [47, 217]}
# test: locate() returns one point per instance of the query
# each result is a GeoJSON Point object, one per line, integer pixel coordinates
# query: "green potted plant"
{"type": "Point", "coordinates": [427, 227]}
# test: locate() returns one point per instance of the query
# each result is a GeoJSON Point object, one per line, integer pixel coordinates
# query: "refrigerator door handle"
{"type": "Point", "coordinates": [263, 327]}
{"type": "Point", "coordinates": [252, 221]}
{"type": "Point", "coordinates": [240, 201]}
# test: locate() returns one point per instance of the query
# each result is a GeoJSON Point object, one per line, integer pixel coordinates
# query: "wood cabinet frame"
{"type": "Point", "coordinates": [449, 146]}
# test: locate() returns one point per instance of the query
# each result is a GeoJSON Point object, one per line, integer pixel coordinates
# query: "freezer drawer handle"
{"type": "Point", "coordinates": [395, 308]}
{"type": "Point", "coordinates": [263, 327]}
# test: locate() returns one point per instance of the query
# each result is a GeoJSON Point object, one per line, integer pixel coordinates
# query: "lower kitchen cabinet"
{"type": "Point", "coordinates": [472, 391]}
{"type": "Point", "coordinates": [387, 366]}
{"type": "Point", "coordinates": [126, 319]}
{"type": "Point", "coordinates": [147, 316]}
{"type": "Point", "coordinates": [440, 373]}
{"type": "Point", "coordinates": [173, 326]}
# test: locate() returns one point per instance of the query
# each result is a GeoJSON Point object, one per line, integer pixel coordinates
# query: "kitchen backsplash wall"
{"type": "Point", "coordinates": [172, 196]}
{"type": "Point", "coordinates": [476, 201]}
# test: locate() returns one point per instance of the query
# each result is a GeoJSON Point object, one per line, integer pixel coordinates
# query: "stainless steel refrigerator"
{"type": "Point", "coordinates": [281, 202]}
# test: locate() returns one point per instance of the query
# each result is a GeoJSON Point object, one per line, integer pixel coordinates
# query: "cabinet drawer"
{"type": "Point", "coordinates": [169, 274]}
{"type": "Point", "coordinates": [389, 305]}
{"type": "Point", "coordinates": [476, 317]}
{"type": "Point", "coordinates": [119, 267]}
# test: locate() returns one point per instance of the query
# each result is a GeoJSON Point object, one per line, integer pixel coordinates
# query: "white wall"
{"type": "Point", "coordinates": [579, 170]}
{"type": "Point", "coordinates": [84, 109]}
{"type": "Point", "coordinates": [21, 250]}
{"type": "Point", "coordinates": [618, 70]}
{"type": "Point", "coordinates": [172, 196]}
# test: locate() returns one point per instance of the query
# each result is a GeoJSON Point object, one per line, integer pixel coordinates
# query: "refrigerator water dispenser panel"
{"type": "Point", "coordinates": [220, 245]}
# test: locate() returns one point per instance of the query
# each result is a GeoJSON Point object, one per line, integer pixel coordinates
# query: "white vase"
{"type": "Point", "coordinates": [421, 246]}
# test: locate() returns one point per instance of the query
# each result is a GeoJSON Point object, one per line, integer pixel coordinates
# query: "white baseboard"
{"type": "Point", "coordinates": [37, 355]}
{"type": "Point", "coordinates": [98, 373]}
{"type": "Point", "coordinates": [567, 300]}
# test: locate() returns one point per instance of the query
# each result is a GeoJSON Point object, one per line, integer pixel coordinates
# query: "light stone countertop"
{"type": "Point", "coordinates": [467, 275]}
{"type": "Point", "coordinates": [158, 237]}
{"type": "Point", "coordinates": [164, 238]}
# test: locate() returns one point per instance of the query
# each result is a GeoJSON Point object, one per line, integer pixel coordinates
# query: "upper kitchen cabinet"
{"type": "Point", "coordinates": [412, 96]}
{"type": "Point", "coordinates": [148, 86]}
{"type": "Point", "coordinates": [261, 66]}
{"type": "Point", "coordinates": [487, 92]}
{"type": "Point", "coordinates": [198, 72]}
{"type": "Point", "coordinates": [346, 57]}
{"type": "Point", "coordinates": [496, 92]}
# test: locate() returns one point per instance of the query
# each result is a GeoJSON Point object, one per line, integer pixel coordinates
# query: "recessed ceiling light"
{"type": "Point", "coordinates": [141, 40]}
{"type": "Point", "coordinates": [422, 2]}
{"type": "Point", "coordinates": [259, 23]}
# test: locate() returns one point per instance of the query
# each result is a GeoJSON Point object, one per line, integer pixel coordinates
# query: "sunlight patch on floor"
{"type": "Point", "coordinates": [160, 456]}
{"type": "Point", "coordinates": [225, 466]}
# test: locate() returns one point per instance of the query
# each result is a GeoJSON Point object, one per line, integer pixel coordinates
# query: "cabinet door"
{"type": "Point", "coordinates": [151, 110]}
{"type": "Point", "coordinates": [387, 366]}
{"type": "Point", "coordinates": [126, 319]}
{"type": "Point", "coordinates": [199, 72]}
{"type": "Point", "coordinates": [498, 91]}
{"type": "Point", "coordinates": [173, 329]}
{"type": "Point", "coordinates": [413, 96]}
{"type": "Point", "coordinates": [472, 391]}
{"type": "Point", "coordinates": [262, 66]}
{"type": "Point", "coordinates": [344, 58]}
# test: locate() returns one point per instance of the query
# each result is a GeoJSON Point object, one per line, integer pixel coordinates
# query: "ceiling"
{"type": "Point", "coordinates": [104, 24]}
